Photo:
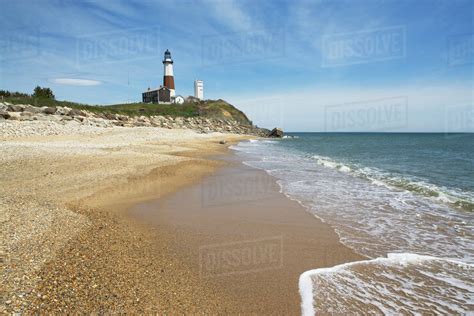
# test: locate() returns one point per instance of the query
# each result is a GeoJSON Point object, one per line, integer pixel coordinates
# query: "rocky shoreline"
{"type": "Point", "coordinates": [54, 116]}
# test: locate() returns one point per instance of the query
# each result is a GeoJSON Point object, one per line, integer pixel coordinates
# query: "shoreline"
{"type": "Point", "coordinates": [250, 244]}
{"type": "Point", "coordinates": [76, 248]}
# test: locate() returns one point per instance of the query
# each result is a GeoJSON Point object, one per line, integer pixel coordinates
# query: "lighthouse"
{"type": "Point", "coordinates": [168, 79]}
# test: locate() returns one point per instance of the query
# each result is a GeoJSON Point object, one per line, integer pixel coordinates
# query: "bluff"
{"type": "Point", "coordinates": [203, 116]}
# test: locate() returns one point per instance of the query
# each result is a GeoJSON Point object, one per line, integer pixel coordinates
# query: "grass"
{"type": "Point", "coordinates": [218, 109]}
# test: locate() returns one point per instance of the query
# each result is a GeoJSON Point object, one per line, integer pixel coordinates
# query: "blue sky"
{"type": "Point", "coordinates": [322, 65]}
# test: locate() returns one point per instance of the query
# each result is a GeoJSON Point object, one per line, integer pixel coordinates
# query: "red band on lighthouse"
{"type": "Point", "coordinates": [168, 81]}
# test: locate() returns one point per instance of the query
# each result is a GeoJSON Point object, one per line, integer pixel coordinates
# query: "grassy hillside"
{"type": "Point", "coordinates": [211, 108]}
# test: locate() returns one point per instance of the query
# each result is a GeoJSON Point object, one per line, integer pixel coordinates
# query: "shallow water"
{"type": "Point", "coordinates": [384, 193]}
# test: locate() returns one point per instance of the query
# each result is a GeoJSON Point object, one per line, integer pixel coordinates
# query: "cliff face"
{"type": "Point", "coordinates": [222, 118]}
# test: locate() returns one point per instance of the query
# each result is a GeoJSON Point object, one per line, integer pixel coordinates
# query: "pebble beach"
{"type": "Point", "coordinates": [66, 242]}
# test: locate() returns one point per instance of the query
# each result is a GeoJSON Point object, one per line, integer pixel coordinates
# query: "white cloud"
{"type": "Point", "coordinates": [75, 82]}
{"type": "Point", "coordinates": [231, 14]}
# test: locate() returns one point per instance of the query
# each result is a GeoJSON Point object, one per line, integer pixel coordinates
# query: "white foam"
{"type": "Point", "coordinates": [458, 288]}
{"type": "Point", "coordinates": [374, 218]}
{"type": "Point", "coordinates": [370, 217]}
{"type": "Point", "coordinates": [380, 178]}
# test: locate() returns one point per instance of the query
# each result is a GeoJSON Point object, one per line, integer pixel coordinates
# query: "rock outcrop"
{"type": "Point", "coordinates": [63, 115]}
{"type": "Point", "coordinates": [276, 132]}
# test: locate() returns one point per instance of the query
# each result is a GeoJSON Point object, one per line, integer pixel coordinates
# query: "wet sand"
{"type": "Point", "coordinates": [245, 240]}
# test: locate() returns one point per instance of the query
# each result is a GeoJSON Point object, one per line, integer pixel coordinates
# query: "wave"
{"type": "Point", "coordinates": [370, 220]}
{"type": "Point", "coordinates": [392, 216]}
{"type": "Point", "coordinates": [418, 186]}
{"type": "Point", "coordinates": [400, 283]}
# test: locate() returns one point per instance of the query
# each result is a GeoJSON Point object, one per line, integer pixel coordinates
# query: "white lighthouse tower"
{"type": "Point", "coordinates": [168, 78]}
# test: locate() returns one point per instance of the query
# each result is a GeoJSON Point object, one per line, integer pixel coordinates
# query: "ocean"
{"type": "Point", "coordinates": [405, 201]}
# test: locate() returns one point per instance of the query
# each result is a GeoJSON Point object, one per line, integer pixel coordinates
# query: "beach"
{"type": "Point", "coordinates": [73, 238]}
{"type": "Point", "coordinates": [245, 239]}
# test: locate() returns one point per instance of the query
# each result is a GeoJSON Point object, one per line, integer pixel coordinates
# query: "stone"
{"type": "Point", "coordinates": [49, 110]}
{"type": "Point", "coordinates": [276, 132]}
{"type": "Point", "coordinates": [110, 116]}
{"type": "Point", "coordinates": [14, 116]}
{"type": "Point", "coordinates": [26, 116]}
{"type": "Point", "coordinates": [4, 114]}
{"type": "Point", "coordinates": [3, 107]}
{"type": "Point", "coordinates": [32, 109]}
{"type": "Point", "coordinates": [63, 110]}
{"type": "Point", "coordinates": [223, 142]}
{"type": "Point", "coordinates": [16, 108]}
{"type": "Point", "coordinates": [76, 112]}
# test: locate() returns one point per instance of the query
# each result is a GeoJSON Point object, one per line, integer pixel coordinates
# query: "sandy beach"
{"type": "Point", "coordinates": [244, 238]}
{"type": "Point", "coordinates": [115, 220]}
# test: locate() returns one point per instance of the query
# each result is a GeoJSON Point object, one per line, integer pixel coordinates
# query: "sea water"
{"type": "Point", "coordinates": [405, 201]}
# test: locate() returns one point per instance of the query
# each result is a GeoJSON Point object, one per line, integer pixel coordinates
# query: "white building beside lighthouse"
{"type": "Point", "coordinates": [199, 89]}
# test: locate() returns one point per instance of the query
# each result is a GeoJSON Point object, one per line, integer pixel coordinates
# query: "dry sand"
{"type": "Point", "coordinates": [69, 243]}
{"type": "Point", "coordinates": [65, 244]}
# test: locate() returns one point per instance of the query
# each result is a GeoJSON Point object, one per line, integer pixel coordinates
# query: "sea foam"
{"type": "Point", "coordinates": [375, 213]}
{"type": "Point", "coordinates": [399, 283]}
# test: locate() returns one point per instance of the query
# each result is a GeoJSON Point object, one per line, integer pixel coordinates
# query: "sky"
{"type": "Point", "coordinates": [321, 65]}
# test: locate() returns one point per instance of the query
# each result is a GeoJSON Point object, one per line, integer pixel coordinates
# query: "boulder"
{"type": "Point", "coordinates": [63, 110]}
{"type": "Point", "coordinates": [32, 109]}
{"type": "Point", "coordinates": [110, 116]}
{"type": "Point", "coordinates": [14, 116]}
{"type": "Point", "coordinates": [4, 114]}
{"type": "Point", "coordinates": [223, 142]}
{"type": "Point", "coordinates": [3, 107]}
{"type": "Point", "coordinates": [26, 115]}
{"type": "Point", "coordinates": [16, 108]}
{"type": "Point", "coordinates": [49, 110]}
{"type": "Point", "coordinates": [76, 112]}
{"type": "Point", "coordinates": [276, 132]}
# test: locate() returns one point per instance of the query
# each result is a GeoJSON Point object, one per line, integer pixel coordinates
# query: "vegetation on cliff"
{"type": "Point", "coordinates": [215, 109]}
